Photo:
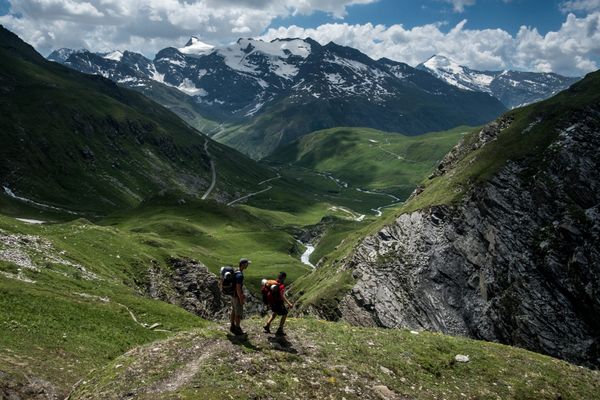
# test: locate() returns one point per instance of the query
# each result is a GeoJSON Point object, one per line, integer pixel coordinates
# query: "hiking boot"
{"type": "Point", "coordinates": [267, 328]}
{"type": "Point", "coordinates": [280, 332]}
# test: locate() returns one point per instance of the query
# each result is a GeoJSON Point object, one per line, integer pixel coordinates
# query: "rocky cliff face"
{"type": "Point", "coordinates": [517, 261]}
{"type": "Point", "coordinates": [190, 285]}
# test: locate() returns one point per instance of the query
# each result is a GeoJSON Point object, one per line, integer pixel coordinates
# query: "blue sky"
{"type": "Point", "coordinates": [545, 15]}
{"type": "Point", "coordinates": [560, 36]}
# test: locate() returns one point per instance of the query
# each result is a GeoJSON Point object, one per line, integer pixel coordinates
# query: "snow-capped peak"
{"type": "Point", "coordinates": [61, 55]}
{"type": "Point", "coordinates": [115, 55]}
{"type": "Point", "coordinates": [239, 56]}
{"type": "Point", "coordinates": [278, 47]}
{"type": "Point", "coordinates": [443, 63]}
{"type": "Point", "coordinates": [458, 75]}
{"type": "Point", "coordinates": [195, 46]}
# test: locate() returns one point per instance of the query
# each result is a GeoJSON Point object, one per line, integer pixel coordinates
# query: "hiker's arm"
{"type": "Point", "coordinates": [240, 293]}
{"type": "Point", "coordinates": [287, 301]}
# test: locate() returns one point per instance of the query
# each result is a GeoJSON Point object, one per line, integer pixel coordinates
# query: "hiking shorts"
{"type": "Point", "coordinates": [279, 309]}
{"type": "Point", "coordinates": [238, 308]}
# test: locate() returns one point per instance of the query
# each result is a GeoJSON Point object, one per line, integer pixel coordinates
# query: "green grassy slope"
{"type": "Point", "coordinates": [181, 104]}
{"type": "Point", "coordinates": [370, 159]}
{"type": "Point", "coordinates": [59, 320]}
{"type": "Point", "coordinates": [77, 141]}
{"type": "Point", "coordinates": [534, 128]}
{"type": "Point", "coordinates": [415, 112]}
{"type": "Point", "coordinates": [215, 234]}
{"type": "Point", "coordinates": [333, 360]}
{"type": "Point", "coordinates": [327, 285]}
{"type": "Point", "coordinates": [65, 294]}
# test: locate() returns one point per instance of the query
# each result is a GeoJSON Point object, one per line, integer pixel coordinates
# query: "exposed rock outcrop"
{"type": "Point", "coordinates": [518, 261]}
{"type": "Point", "coordinates": [31, 389]}
{"type": "Point", "coordinates": [190, 285]}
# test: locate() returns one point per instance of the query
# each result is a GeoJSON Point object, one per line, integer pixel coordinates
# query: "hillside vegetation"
{"type": "Point", "coordinates": [80, 142]}
{"type": "Point", "coordinates": [370, 159]}
{"type": "Point", "coordinates": [528, 133]}
{"type": "Point", "coordinates": [69, 288]}
{"type": "Point", "coordinates": [532, 129]}
{"type": "Point", "coordinates": [113, 182]}
{"type": "Point", "coordinates": [334, 360]}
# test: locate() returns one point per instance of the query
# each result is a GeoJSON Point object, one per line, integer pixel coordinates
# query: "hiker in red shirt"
{"type": "Point", "coordinates": [277, 302]}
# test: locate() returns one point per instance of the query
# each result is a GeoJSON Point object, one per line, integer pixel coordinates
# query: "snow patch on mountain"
{"type": "Point", "coordinates": [458, 75]}
{"type": "Point", "coordinates": [278, 48]}
{"type": "Point", "coordinates": [156, 76]}
{"type": "Point", "coordinates": [241, 56]}
{"type": "Point", "coordinates": [356, 66]}
{"type": "Point", "coordinates": [61, 55]}
{"type": "Point", "coordinates": [188, 87]}
{"type": "Point", "coordinates": [335, 79]}
{"type": "Point", "coordinates": [254, 109]}
{"type": "Point", "coordinates": [234, 58]}
{"type": "Point", "coordinates": [195, 47]}
{"type": "Point", "coordinates": [115, 55]}
{"type": "Point", "coordinates": [513, 88]}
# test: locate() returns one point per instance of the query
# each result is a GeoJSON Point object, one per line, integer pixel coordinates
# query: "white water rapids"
{"type": "Point", "coordinates": [305, 257]}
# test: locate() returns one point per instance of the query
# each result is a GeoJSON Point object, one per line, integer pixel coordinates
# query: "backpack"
{"type": "Point", "coordinates": [270, 291]}
{"type": "Point", "coordinates": [228, 280]}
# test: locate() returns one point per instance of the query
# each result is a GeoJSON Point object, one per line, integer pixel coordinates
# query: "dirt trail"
{"type": "Point", "coordinates": [213, 169]}
{"type": "Point", "coordinates": [184, 375]}
{"type": "Point", "coordinates": [249, 195]}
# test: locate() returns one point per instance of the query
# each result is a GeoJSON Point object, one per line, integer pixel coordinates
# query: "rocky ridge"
{"type": "Point", "coordinates": [263, 94]}
{"type": "Point", "coordinates": [517, 261]}
{"type": "Point", "coordinates": [512, 88]}
{"type": "Point", "coordinates": [189, 284]}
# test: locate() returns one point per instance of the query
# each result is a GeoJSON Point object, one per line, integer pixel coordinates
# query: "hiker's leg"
{"type": "Point", "coordinates": [238, 310]}
{"type": "Point", "coordinates": [273, 315]}
{"type": "Point", "coordinates": [283, 318]}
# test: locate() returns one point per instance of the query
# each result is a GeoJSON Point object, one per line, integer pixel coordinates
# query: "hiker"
{"type": "Point", "coordinates": [276, 300]}
{"type": "Point", "coordinates": [232, 283]}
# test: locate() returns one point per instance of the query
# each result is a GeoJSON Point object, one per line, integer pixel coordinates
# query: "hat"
{"type": "Point", "coordinates": [245, 261]}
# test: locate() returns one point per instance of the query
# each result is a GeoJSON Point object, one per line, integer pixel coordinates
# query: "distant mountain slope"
{"type": "Point", "coordinates": [512, 88]}
{"type": "Point", "coordinates": [80, 142]}
{"type": "Point", "coordinates": [501, 244]}
{"type": "Point", "coordinates": [270, 89]}
{"type": "Point", "coordinates": [370, 159]}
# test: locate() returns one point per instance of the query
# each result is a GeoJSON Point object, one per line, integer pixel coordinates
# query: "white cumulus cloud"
{"type": "Point", "coordinates": [149, 25]}
{"type": "Point", "coordinates": [572, 50]}
{"type": "Point", "coordinates": [459, 5]}
{"type": "Point", "coordinates": [580, 5]}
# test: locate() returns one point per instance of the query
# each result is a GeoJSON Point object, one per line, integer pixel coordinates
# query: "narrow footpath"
{"type": "Point", "coordinates": [249, 195]}
{"type": "Point", "coordinates": [213, 169]}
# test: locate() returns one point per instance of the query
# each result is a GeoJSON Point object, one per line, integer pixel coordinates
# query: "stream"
{"type": "Point", "coordinates": [305, 257]}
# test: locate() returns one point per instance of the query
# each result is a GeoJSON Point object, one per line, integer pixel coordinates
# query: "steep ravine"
{"type": "Point", "coordinates": [516, 261]}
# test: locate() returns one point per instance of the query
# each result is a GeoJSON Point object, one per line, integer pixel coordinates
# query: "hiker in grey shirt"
{"type": "Point", "coordinates": [238, 298]}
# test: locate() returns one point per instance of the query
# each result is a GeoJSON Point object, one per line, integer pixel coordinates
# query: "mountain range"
{"type": "Point", "coordinates": [112, 291]}
{"type": "Point", "coordinates": [255, 95]}
{"type": "Point", "coordinates": [512, 88]}
{"type": "Point", "coordinates": [500, 243]}
{"type": "Point", "coordinates": [81, 142]}
{"type": "Point", "coordinates": [271, 93]}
